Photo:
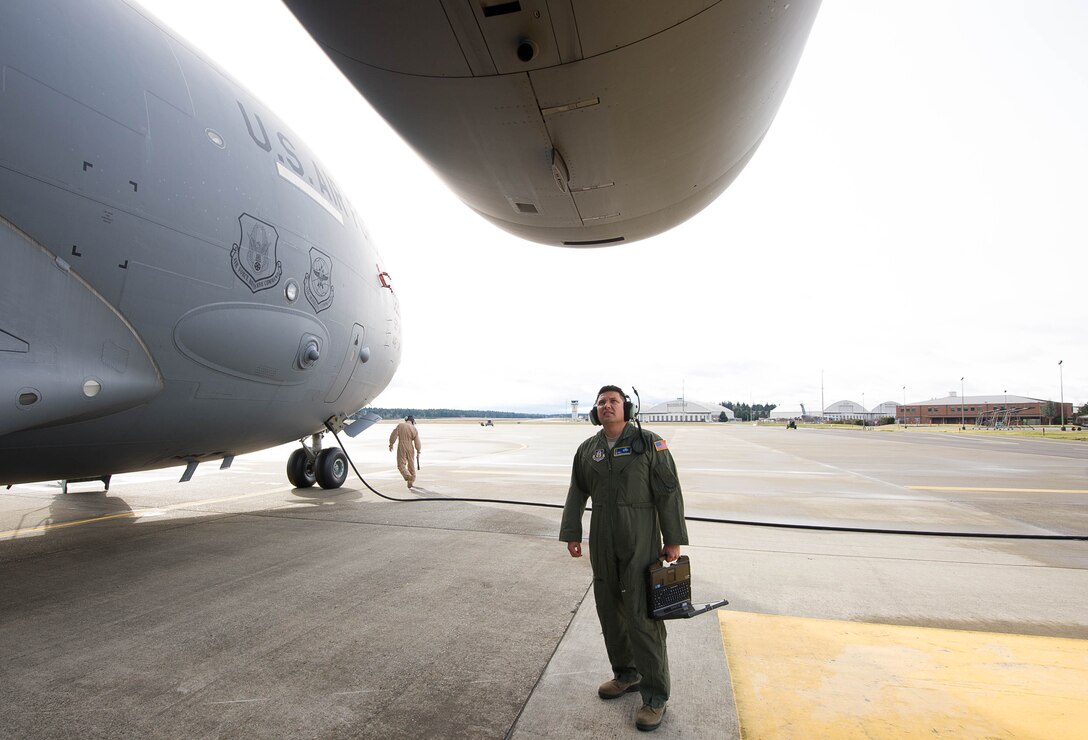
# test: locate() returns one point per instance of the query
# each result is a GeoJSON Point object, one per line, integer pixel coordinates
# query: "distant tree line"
{"type": "Point", "coordinates": [455, 414]}
{"type": "Point", "coordinates": [748, 412]}
{"type": "Point", "coordinates": [881, 421]}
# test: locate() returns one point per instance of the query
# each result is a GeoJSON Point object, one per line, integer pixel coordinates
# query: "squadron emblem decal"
{"type": "Point", "coordinates": [318, 282]}
{"type": "Point", "coordinates": [255, 264]}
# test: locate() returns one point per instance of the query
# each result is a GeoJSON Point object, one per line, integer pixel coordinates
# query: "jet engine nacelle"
{"type": "Point", "coordinates": [578, 123]}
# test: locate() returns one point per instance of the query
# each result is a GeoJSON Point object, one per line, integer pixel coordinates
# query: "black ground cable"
{"type": "Point", "coordinates": [876, 530]}
{"type": "Point", "coordinates": [741, 522]}
{"type": "Point", "coordinates": [376, 492]}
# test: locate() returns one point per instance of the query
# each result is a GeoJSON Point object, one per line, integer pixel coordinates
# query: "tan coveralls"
{"type": "Point", "coordinates": [405, 435]}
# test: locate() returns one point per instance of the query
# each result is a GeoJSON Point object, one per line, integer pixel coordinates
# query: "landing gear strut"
{"type": "Point", "coordinates": [327, 468]}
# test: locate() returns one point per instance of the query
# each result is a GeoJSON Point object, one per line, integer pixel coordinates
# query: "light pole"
{"type": "Point", "coordinates": [1061, 390]}
{"type": "Point", "coordinates": [864, 413]}
{"type": "Point", "coordinates": [963, 424]}
{"type": "Point", "coordinates": [904, 404]}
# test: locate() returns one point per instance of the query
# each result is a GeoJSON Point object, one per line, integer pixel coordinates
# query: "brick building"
{"type": "Point", "coordinates": [995, 410]}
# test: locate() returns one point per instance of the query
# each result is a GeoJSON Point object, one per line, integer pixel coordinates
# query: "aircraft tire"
{"type": "Point", "coordinates": [331, 468]}
{"type": "Point", "coordinates": [299, 470]}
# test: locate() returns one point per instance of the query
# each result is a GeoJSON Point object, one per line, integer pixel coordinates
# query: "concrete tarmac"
{"type": "Point", "coordinates": [236, 606]}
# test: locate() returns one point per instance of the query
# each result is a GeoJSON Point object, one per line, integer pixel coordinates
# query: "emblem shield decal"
{"type": "Point", "coordinates": [254, 256]}
{"type": "Point", "coordinates": [317, 285]}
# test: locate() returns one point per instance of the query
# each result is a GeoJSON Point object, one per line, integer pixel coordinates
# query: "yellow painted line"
{"type": "Point", "coordinates": [814, 678]}
{"type": "Point", "coordinates": [205, 502]}
{"type": "Point", "coordinates": [999, 490]}
{"type": "Point", "coordinates": [135, 514]}
{"type": "Point", "coordinates": [47, 527]}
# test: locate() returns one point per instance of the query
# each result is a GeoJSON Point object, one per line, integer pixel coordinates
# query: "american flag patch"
{"type": "Point", "coordinates": [661, 445]}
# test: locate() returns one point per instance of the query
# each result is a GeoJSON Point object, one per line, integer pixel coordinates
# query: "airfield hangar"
{"type": "Point", "coordinates": [685, 410]}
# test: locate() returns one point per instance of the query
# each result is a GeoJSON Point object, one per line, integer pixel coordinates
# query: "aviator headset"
{"type": "Point", "coordinates": [639, 445]}
{"type": "Point", "coordinates": [628, 407]}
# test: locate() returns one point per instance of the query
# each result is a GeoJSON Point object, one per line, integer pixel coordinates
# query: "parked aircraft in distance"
{"type": "Point", "coordinates": [184, 282]}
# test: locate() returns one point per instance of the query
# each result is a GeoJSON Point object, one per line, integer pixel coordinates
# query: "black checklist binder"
{"type": "Point", "coordinates": [669, 591]}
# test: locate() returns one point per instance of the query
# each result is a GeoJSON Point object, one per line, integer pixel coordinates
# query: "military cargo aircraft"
{"type": "Point", "coordinates": [184, 282]}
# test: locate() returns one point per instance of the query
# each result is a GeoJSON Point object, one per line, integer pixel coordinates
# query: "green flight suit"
{"type": "Point", "coordinates": [636, 499]}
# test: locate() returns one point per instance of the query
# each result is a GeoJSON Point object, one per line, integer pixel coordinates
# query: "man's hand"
{"type": "Point", "coordinates": [670, 553]}
{"type": "Point", "coordinates": [575, 548]}
{"type": "Point", "coordinates": [390, 448]}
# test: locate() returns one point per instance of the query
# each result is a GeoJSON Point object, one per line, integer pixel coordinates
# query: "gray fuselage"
{"type": "Point", "coordinates": [182, 280]}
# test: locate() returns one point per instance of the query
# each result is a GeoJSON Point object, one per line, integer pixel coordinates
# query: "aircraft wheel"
{"type": "Point", "coordinates": [331, 468]}
{"type": "Point", "coordinates": [300, 471]}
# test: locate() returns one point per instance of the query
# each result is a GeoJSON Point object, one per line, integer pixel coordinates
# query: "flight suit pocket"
{"type": "Point", "coordinates": [634, 482]}
{"type": "Point", "coordinates": [664, 481]}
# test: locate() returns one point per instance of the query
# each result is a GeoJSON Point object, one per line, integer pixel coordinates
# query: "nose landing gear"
{"type": "Point", "coordinates": [327, 468]}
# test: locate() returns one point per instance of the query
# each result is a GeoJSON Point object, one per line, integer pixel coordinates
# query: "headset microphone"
{"type": "Point", "coordinates": [639, 445]}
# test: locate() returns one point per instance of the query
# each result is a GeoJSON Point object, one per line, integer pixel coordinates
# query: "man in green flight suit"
{"type": "Point", "coordinates": [631, 477]}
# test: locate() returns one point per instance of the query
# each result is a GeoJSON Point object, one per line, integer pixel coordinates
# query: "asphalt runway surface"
{"type": "Point", "coordinates": [235, 606]}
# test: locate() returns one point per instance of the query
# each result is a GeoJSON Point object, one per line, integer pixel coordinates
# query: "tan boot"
{"type": "Point", "coordinates": [615, 688]}
{"type": "Point", "coordinates": [649, 718]}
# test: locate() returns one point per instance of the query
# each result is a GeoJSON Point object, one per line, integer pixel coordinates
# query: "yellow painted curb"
{"type": "Point", "coordinates": [812, 678]}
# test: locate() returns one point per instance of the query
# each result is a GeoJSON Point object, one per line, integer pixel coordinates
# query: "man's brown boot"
{"type": "Point", "coordinates": [615, 688]}
{"type": "Point", "coordinates": [649, 718]}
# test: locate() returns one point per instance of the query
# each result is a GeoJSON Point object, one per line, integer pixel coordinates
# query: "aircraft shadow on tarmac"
{"type": "Point", "coordinates": [277, 621]}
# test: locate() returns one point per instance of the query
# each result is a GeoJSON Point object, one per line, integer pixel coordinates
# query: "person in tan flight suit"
{"type": "Point", "coordinates": [406, 436]}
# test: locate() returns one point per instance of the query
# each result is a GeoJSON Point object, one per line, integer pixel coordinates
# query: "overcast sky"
{"type": "Point", "coordinates": [910, 219]}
